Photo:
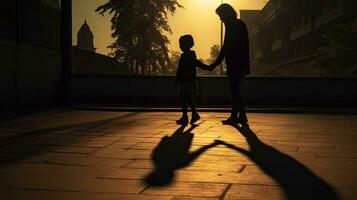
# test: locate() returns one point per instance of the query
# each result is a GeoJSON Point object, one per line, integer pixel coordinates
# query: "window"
{"type": "Point", "coordinates": [327, 6]}
{"type": "Point", "coordinates": [273, 52]}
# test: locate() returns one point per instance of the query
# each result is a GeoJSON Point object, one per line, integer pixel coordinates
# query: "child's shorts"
{"type": "Point", "coordinates": [188, 87]}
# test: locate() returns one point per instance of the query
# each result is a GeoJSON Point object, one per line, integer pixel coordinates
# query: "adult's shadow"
{"type": "Point", "coordinates": [297, 181]}
{"type": "Point", "coordinates": [173, 153]}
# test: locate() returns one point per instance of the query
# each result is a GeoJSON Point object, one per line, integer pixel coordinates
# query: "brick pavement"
{"type": "Point", "coordinates": [74, 154]}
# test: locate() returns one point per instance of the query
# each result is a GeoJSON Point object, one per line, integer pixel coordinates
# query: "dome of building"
{"type": "Point", "coordinates": [85, 38]}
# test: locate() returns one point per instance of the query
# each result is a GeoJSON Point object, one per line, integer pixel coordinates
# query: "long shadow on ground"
{"type": "Point", "coordinates": [172, 153]}
{"type": "Point", "coordinates": [9, 157]}
{"type": "Point", "coordinates": [297, 181]}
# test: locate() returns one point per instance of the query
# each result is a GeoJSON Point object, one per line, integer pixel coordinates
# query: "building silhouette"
{"type": "Point", "coordinates": [88, 62]}
{"type": "Point", "coordinates": [291, 32]}
{"type": "Point", "coordinates": [249, 18]}
{"type": "Point", "coordinates": [85, 38]}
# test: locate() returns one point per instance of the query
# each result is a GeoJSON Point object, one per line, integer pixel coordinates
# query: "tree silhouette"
{"type": "Point", "coordinates": [138, 28]}
{"type": "Point", "coordinates": [339, 56]}
{"type": "Point", "coordinates": [174, 60]}
{"type": "Point", "coordinates": [214, 52]}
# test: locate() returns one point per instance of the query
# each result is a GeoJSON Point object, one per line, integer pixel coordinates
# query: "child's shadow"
{"type": "Point", "coordinates": [172, 153]}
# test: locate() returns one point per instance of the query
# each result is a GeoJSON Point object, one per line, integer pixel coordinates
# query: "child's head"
{"type": "Point", "coordinates": [186, 42]}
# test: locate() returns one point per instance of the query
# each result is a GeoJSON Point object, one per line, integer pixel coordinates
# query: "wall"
{"type": "Point", "coordinates": [214, 91]}
{"type": "Point", "coordinates": [30, 52]}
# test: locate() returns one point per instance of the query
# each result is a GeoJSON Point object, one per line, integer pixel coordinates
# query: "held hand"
{"type": "Point", "coordinates": [204, 66]}
{"type": "Point", "coordinates": [207, 67]}
{"type": "Point", "coordinates": [211, 67]}
{"type": "Point", "coordinates": [218, 142]}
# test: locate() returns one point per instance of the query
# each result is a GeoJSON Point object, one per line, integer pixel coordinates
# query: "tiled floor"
{"type": "Point", "coordinates": [73, 154]}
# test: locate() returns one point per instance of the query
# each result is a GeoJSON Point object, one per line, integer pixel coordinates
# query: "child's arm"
{"type": "Point", "coordinates": [201, 65]}
{"type": "Point", "coordinates": [198, 63]}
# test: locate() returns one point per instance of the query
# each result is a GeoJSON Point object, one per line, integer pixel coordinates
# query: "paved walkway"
{"type": "Point", "coordinates": [72, 154]}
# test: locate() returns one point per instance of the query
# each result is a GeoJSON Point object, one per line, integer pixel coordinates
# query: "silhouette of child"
{"type": "Point", "coordinates": [173, 153]}
{"type": "Point", "coordinates": [186, 79]}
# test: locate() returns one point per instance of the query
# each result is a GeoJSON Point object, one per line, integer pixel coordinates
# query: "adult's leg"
{"type": "Point", "coordinates": [235, 94]}
{"type": "Point", "coordinates": [241, 105]}
{"type": "Point", "coordinates": [234, 86]}
{"type": "Point", "coordinates": [238, 106]}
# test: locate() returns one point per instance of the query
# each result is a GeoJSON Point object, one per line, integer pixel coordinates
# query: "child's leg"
{"type": "Point", "coordinates": [195, 115]}
{"type": "Point", "coordinates": [184, 100]}
{"type": "Point", "coordinates": [184, 119]}
{"type": "Point", "coordinates": [192, 104]}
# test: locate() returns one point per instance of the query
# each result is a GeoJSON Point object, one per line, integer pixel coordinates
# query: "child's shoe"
{"type": "Point", "coordinates": [195, 118]}
{"type": "Point", "coordinates": [183, 121]}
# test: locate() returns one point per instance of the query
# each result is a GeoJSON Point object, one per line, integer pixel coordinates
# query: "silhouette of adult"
{"type": "Point", "coordinates": [235, 50]}
{"type": "Point", "coordinates": [297, 181]}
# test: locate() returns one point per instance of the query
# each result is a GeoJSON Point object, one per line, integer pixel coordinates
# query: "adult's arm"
{"type": "Point", "coordinates": [221, 56]}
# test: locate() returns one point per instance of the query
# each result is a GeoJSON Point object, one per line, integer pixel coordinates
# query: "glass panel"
{"type": "Point", "coordinates": [301, 38]}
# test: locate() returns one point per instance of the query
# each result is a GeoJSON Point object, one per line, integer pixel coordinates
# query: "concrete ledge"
{"type": "Point", "coordinates": [276, 110]}
{"type": "Point", "coordinates": [214, 91]}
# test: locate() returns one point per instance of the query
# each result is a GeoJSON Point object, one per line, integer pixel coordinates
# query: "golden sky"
{"type": "Point", "coordinates": [198, 18]}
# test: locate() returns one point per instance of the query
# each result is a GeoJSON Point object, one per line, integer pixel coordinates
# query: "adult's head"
{"type": "Point", "coordinates": [226, 12]}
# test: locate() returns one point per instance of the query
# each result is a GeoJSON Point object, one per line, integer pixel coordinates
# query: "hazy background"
{"type": "Point", "coordinates": [197, 18]}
